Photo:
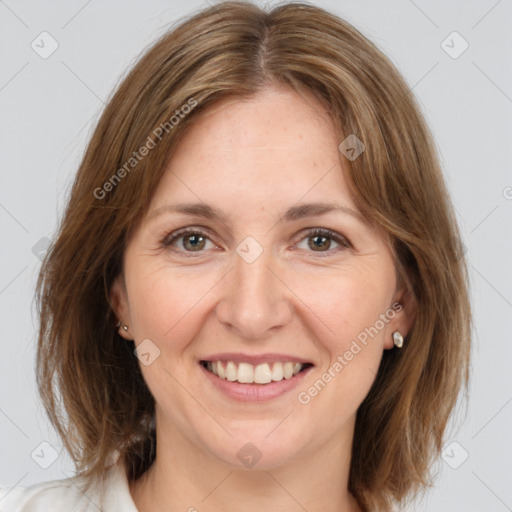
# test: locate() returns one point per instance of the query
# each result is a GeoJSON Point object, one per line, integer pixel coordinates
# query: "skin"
{"type": "Point", "coordinates": [266, 154]}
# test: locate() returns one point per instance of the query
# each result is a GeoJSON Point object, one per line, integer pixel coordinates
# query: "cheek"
{"type": "Point", "coordinates": [347, 321]}
{"type": "Point", "coordinates": [165, 303]}
{"type": "Point", "coordinates": [349, 304]}
{"type": "Point", "coordinates": [170, 305]}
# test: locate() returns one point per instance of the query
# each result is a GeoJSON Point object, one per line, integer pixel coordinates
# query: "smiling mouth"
{"type": "Point", "coordinates": [246, 373]}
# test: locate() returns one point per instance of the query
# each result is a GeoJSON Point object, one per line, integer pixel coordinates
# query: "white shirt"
{"type": "Point", "coordinates": [76, 494]}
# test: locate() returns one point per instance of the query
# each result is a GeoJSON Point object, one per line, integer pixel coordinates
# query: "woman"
{"type": "Point", "coordinates": [256, 297]}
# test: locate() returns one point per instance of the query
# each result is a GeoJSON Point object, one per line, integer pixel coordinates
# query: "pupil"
{"type": "Point", "coordinates": [195, 241]}
{"type": "Point", "coordinates": [322, 244]}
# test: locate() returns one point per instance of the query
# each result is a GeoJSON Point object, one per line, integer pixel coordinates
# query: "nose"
{"type": "Point", "coordinates": [255, 301]}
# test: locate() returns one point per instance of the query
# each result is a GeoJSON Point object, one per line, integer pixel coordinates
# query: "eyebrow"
{"type": "Point", "coordinates": [293, 213]}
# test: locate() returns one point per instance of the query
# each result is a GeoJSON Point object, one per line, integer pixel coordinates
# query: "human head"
{"type": "Point", "coordinates": [233, 51]}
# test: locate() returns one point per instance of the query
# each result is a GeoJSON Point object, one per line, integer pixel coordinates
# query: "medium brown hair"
{"type": "Point", "coordinates": [88, 376]}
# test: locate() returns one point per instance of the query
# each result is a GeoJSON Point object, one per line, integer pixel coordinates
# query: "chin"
{"type": "Point", "coordinates": [261, 448]}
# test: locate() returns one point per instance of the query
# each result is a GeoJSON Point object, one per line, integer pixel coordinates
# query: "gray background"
{"type": "Point", "coordinates": [49, 105]}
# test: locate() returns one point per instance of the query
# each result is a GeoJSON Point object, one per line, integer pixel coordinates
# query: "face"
{"type": "Point", "coordinates": [266, 287]}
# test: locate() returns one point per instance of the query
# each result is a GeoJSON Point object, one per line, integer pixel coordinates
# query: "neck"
{"type": "Point", "coordinates": [182, 477]}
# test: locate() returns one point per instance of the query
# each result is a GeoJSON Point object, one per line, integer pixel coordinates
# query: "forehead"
{"type": "Point", "coordinates": [278, 146]}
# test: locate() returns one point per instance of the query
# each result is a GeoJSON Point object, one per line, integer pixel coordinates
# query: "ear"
{"type": "Point", "coordinates": [119, 303]}
{"type": "Point", "coordinates": [405, 306]}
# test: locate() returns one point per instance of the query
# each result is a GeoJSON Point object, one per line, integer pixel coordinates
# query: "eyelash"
{"type": "Point", "coordinates": [343, 242]}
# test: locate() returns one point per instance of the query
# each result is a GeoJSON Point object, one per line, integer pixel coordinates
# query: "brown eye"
{"type": "Point", "coordinates": [194, 242]}
{"type": "Point", "coordinates": [319, 242]}
{"type": "Point", "coordinates": [187, 241]}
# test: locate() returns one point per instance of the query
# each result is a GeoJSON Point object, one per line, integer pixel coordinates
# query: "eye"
{"type": "Point", "coordinates": [187, 240]}
{"type": "Point", "coordinates": [320, 240]}
{"type": "Point", "coordinates": [190, 240]}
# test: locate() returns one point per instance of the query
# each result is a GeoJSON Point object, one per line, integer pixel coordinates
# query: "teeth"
{"type": "Point", "coordinates": [247, 373]}
{"type": "Point", "coordinates": [262, 374]}
{"type": "Point", "coordinates": [277, 372]}
{"type": "Point", "coordinates": [231, 372]}
{"type": "Point", "coordinates": [288, 370]}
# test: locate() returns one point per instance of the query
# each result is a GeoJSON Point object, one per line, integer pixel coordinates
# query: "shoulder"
{"type": "Point", "coordinates": [110, 493]}
{"type": "Point", "coordinates": [52, 495]}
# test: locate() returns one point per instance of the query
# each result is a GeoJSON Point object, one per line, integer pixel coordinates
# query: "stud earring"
{"type": "Point", "coordinates": [125, 327]}
{"type": "Point", "coordinates": [398, 339]}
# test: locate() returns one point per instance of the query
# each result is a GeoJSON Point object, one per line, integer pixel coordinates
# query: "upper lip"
{"type": "Point", "coordinates": [255, 359]}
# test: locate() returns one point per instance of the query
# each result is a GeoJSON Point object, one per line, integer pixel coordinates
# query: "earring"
{"type": "Point", "coordinates": [125, 327]}
{"type": "Point", "coordinates": [398, 339]}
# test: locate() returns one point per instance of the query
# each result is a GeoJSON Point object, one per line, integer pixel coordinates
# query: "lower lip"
{"type": "Point", "coordinates": [255, 392]}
